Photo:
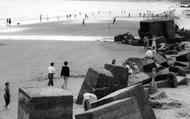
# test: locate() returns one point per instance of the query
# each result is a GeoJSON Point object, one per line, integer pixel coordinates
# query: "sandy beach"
{"type": "Point", "coordinates": [24, 60]}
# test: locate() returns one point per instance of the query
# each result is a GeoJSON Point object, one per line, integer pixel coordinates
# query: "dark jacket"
{"type": "Point", "coordinates": [65, 71]}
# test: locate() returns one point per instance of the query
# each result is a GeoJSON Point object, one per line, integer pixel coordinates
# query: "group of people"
{"type": "Point", "coordinates": [8, 21]}
{"type": "Point", "coordinates": [132, 67]}
{"type": "Point", "coordinates": [65, 74]}
{"type": "Point", "coordinates": [151, 48]}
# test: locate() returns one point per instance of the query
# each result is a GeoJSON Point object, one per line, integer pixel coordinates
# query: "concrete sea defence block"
{"type": "Point", "coordinates": [120, 109]}
{"type": "Point", "coordinates": [177, 70]}
{"type": "Point", "coordinates": [181, 80]}
{"type": "Point", "coordinates": [184, 57]}
{"type": "Point", "coordinates": [148, 64]}
{"type": "Point", "coordinates": [119, 72]}
{"type": "Point", "coordinates": [160, 60]}
{"type": "Point", "coordinates": [44, 103]}
{"type": "Point", "coordinates": [136, 91]}
{"type": "Point", "coordinates": [95, 78]}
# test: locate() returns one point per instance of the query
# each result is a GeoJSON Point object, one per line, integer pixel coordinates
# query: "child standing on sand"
{"type": "Point", "coordinates": [65, 73]}
{"type": "Point", "coordinates": [7, 95]}
{"type": "Point", "coordinates": [51, 72]}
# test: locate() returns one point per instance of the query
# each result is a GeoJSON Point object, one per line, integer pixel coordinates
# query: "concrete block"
{"type": "Point", "coordinates": [177, 70]}
{"type": "Point", "coordinates": [120, 73]}
{"type": "Point", "coordinates": [171, 52]}
{"type": "Point", "coordinates": [181, 80]}
{"type": "Point", "coordinates": [168, 80]}
{"type": "Point", "coordinates": [148, 64]}
{"type": "Point", "coordinates": [160, 60]}
{"type": "Point", "coordinates": [44, 103]}
{"type": "Point", "coordinates": [136, 91]}
{"type": "Point", "coordinates": [163, 84]}
{"type": "Point", "coordinates": [95, 78]}
{"type": "Point", "coordinates": [120, 109]}
{"type": "Point", "coordinates": [184, 57]}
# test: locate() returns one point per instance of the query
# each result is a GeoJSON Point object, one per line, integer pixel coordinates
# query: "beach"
{"type": "Point", "coordinates": [27, 49]}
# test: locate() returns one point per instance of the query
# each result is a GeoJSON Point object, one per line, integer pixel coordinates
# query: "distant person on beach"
{"type": "Point", "coordinates": [75, 16]}
{"type": "Point", "coordinates": [86, 16]}
{"type": "Point", "coordinates": [135, 68]}
{"type": "Point", "coordinates": [146, 42]}
{"type": "Point", "coordinates": [129, 15]}
{"type": "Point", "coordinates": [154, 50]}
{"type": "Point", "coordinates": [127, 65]}
{"type": "Point", "coordinates": [51, 72]}
{"type": "Point", "coordinates": [149, 53]}
{"type": "Point", "coordinates": [113, 62]}
{"type": "Point", "coordinates": [83, 22]}
{"type": "Point", "coordinates": [7, 95]}
{"type": "Point", "coordinates": [114, 20]}
{"type": "Point", "coordinates": [40, 18]}
{"type": "Point", "coordinates": [9, 21]}
{"type": "Point", "coordinates": [65, 73]}
{"type": "Point", "coordinates": [154, 41]}
{"type": "Point", "coordinates": [153, 86]}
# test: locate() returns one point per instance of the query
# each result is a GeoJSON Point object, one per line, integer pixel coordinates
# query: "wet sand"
{"type": "Point", "coordinates": [73, 28]}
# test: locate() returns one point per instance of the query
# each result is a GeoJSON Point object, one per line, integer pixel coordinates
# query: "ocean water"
{"type": "Point", "coordinates": [51, 8]}
{"type": "Point", "coordinates": [29, 11]}
{"type": "Point", "coordinates": [20, 8]}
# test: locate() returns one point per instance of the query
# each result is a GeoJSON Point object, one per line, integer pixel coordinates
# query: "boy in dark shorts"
{"type": "Point", "coordinates": [65, 73]}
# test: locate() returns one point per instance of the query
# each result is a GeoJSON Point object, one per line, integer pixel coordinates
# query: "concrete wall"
{"type": "Point", "coordinates": [121, 109]}
{"type": "Point", "coordinates": [35, 104]}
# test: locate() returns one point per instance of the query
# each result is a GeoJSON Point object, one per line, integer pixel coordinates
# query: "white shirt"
{"type": "Point", "coordinates": [90, 97]}
{"type": "Point", "coordinates": [51, 69]}
{"type": "Point", "coordinates": [129, 68]}
{"type": "Point", "coordinates": [149, 53]}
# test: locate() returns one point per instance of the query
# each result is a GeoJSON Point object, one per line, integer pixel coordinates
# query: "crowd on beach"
{"type": "Point", "coordinates": [84, 16]}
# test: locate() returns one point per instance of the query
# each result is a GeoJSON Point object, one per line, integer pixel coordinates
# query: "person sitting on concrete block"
{"type": "Point", "coordinates": [88, 98]}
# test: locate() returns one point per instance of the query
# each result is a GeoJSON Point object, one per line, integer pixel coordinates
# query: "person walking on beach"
{"type": "Point", "coordinates": [114, 20]}
{"type": "Point", "coordinates": [7, 21]}
{"type": "Point", "coordinates": [7, 95]}
{"type": "Point", "coordinates": [65, 73]}
{"type": "Point", "coordinates": [51, 72]}
{"type": "Point", "coordinates": [145, 41]}
{"type": "Point", "coordinates": [40, 17]}
{"type": "Point", "coordinates": [83, 22]}
{"type": "Point", "coordinates": [113, 62]}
